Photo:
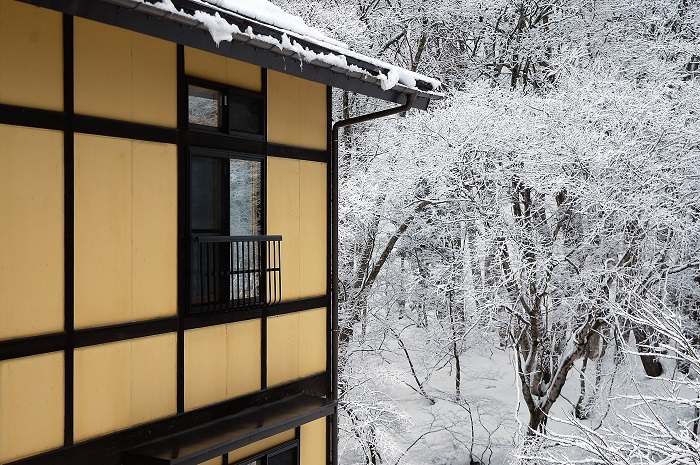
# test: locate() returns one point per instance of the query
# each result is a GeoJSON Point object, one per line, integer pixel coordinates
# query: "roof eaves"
{"type": "Point", "coordinates": [267, 37]}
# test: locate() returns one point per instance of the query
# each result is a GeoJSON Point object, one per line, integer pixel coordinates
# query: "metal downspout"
{"type": "Point", "coordinates": [334, 247]}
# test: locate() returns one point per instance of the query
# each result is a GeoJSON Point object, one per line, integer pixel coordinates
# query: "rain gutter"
{"type": "Point", "coordinates": [335, 328]}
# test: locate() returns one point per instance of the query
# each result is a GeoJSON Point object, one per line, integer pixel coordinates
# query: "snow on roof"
{"type": "Point", "coordinates": [296, 38]}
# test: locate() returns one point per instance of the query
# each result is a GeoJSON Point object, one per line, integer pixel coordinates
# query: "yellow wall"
{"type": "Point", "coordinates": [31, 405]}
{"type": "Point", "coordinates": [221, 362]}
{"type": "Point", "coordinates": [296, 112]}
{"type": "Point", "coordinates": [124, 75]}
{"type": "Point", "coordinates": [296, 345]}
{"type": "Point", "coordinates": [31, 231]}
{"type": "Point", "coordinates": [313, 443]}
{"type": "Point", "coordinates": [124, 383]}
{"type": "Point", "coordinates": [297, 209]}
{"type": "Point", "coordinates": [31, 56]}
{"type": "Point", "coordinates": [222, 70]}
{"type": "Point", "coordinates": [260, 446]}
{"type": "Point", "coordinates": [125, 230]}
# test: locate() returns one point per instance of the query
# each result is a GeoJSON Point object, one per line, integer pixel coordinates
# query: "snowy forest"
{"type": "Point", "coordinates": [520, 265]}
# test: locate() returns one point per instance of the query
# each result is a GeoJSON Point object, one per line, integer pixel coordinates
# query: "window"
{"type": "Point", "coordinates": [232, 265]}
{"type": "Point", "coordinates": [225, 109]}
{"type": "Point", "coordinates": [286, 454]}
{"type": "Point", "coordinates": [227, 249]}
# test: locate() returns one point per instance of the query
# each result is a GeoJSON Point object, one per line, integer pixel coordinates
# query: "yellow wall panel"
{"type": "Point", "coordinates": [283, 106]}
{"type": "Point", "coordinates": [205, 65]}
{"type": "Point", "coordinates": [102, 389]}
{"type": "Point", "coordinates": [282, 348]}
{"type": "Point", "coordinates": [102, 70]}
{"type": "Point", "coordinates": [283, 218]}
{"type": "Point", "coordinates": [31, 56]}
{"type": "Point", "coordinates": [31, 231]}
{"type": "Point", "coordinates": [243, 347]}
{"type": "Point", "coordinates": [124, 75]}
{"type": "Point", "coordinates": [124, 383]}
{"type": "Point", "coordinates": [31, 405]}
{"type": "Point", "coordinates": [313, 443]}
{"type": "Point", "coordinates": [313, 115]}
{"type": "Point", "coordinates": [312, 342]}
{"type": "Point", "coordinates": [205, 366]}
{"type": "Point", "coordinates": [260, 446]}
{"type": "Point", "coordinates": [313, 208]}
{"type": "Point", "coordinates": [154, 230]}
{"type": "Point", "coordinates": [154, 378]}
{"type": "Point", "coordinates": [296, 112]}
{"type": "Point", "coordinates": [243, 75]}
{"type": "Point", "coordinates": [222, 70]}
{"type": "Point", "coordinates": [102, 230]}
{"type": "Point", "coordinates": [125, 230]}
{"type": "Point", "coordinates": [154, 81]}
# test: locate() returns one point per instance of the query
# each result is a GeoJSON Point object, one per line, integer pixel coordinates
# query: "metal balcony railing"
{"type": "Point", "coordinates": [235, 272]}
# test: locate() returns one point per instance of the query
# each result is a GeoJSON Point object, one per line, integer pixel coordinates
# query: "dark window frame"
{"type": "Point", "coordinates": [219, 304]}
{"type": "Point", "coordinates": [229, 95]}
{"type": "Point", "coordinates": [265, 455]}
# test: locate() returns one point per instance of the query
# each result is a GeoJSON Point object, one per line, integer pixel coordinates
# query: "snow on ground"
{"type": "Point", "coordinates": [489, 410]}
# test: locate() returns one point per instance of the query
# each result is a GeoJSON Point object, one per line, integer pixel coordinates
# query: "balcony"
{"type": "Point", "coordinates": [234, 272]}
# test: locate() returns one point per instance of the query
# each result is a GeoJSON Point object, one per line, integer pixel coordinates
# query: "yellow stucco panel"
{"type": "Point", "coordinates": [125, 230]}
{"type": "Point", "coordinates": [296, 112]}
{"type": "Point", "coordinates": [222, 362]}
{"type": "Point", "coordinates": [102, 230]}
{"type": "Point", "coordinates": [123, 384]}
{"type": "Point", "coordinates": [222, 70]}
{"type": "Point", "coordinates": [313, 443]}
{"type": "Point", "coordinates": [154, 230]}
{"type": "Point", "coordinates": [282, 348]}
{"type": "Point", "coordinates": [153, 378]}
{"type": "Point", "coordinates": [31, 405]}
{"type": "Point", "coordinates": [297, 209]}
{"type": "Point", "coordinates": [243, 366]}
{"type": "Point", "coordinates": [205, 366]}
{"type": "Point", "coordinates": [296, 345]}
{"type": "Point", "coordinates": [312, 342]}
{"type": "Point", "coordinates": [313, 115]}
{"type": "Point", "coordinates": [124, 75]}
{"type": "Point", "coordinates": [102, 389]}
{"type": "Point", "coordinates": [283, 218]}
{"type": "Point", "coordinates": [313, 211]}
{"type": "Point", "coordinates": [31, 231]}
{"type": "Point", "coordinates": [31, 56]}
{"type": "Point", "coordinates": [260, 446]}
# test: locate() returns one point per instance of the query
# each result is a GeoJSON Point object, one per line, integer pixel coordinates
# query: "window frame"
{"type": "Point", "coordinates": [239, 304]}
{"type": "Point", "coordinates": [228, 93]}
{"type": "Point", "coordinates": [265, 455]}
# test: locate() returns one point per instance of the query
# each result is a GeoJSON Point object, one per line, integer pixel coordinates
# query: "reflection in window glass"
{"type": "Point", "coordinates": [246, 114]}
{"type": "Point", "coordinates": [204, 107]}
{"type": "Point", "coordinates": [206, 194]}
{"type": "Point", "coordinates": [288, 457]}
{"type": "Point", "coordinates": [244, 198]}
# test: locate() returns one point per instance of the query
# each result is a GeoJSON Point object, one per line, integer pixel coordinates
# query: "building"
{"type": "Point", "coordinates": [167, 187]}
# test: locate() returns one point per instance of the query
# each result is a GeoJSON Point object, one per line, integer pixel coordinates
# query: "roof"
{"type": "Point", "coordinates": [259, 32]}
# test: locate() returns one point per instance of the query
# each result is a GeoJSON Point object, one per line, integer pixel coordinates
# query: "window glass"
{"type": "Point", "coordinates": [225, 194]}
{"type": "Point", "coordinates": [244, 197]}
{"type": "Point", "coordinates": [246, 114]}
{"type": "Point", "coordinates": [205, 107]}
{"type": "Point", "coordinates": [288, 457]}
{"type": "Point", "coordinates": [206, 195]}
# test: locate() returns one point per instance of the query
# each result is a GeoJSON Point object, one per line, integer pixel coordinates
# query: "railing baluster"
{"type": "Point", "coordinates": [249, 277]}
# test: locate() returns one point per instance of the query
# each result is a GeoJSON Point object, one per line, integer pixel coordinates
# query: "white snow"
{"type": "Point", "coordinates": [293, 27]}
{"type": "Point", "coordinates": [266, 12]}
